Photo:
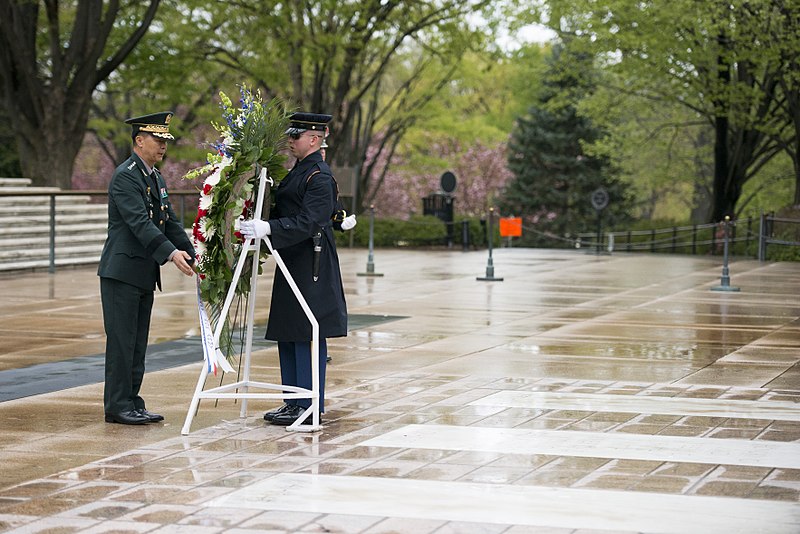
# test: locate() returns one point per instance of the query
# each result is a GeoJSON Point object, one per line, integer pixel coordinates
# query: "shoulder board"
{"type": "Point", "coordinates": [132, 165]}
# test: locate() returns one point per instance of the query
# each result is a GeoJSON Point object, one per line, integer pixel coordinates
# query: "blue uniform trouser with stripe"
{"type": "Point", "coordinates": [295, 358]}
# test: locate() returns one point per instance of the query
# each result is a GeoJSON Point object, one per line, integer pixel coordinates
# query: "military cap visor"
{"type": "Point", "coordinates": [303, 122]}
{"type": "Point", "coordinates": [156, 124]}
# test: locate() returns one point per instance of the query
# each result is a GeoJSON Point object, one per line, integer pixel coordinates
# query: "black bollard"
{"type": "Point", "coordinates": [725, 281]}
{"type": "Point", "coordinates": [490, 265]}
{"type": "Point", "coordinates": [370, 258]}
{"type": "Point", "coordinates": [465, 236]}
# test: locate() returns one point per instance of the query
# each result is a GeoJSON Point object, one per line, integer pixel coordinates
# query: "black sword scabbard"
{"type": "Point", "coordinates": [317, 253]}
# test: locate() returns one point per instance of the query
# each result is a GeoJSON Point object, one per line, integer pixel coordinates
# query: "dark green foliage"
{"type": "Point", "coordinates": [553, 176]}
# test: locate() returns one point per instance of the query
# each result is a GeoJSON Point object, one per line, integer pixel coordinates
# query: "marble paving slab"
{"type": "Point", "coordinates": [742, 409]}
{"type": "Point", "coordinates": [515, 505]}
{"type": "Point", "coordinates": [593, 445]}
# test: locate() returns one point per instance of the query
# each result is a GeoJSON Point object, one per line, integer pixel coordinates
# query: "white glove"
{"type": "Point", "coordinates": [349, 222]}
{"type": "Point", "coordinates": [254, 228]}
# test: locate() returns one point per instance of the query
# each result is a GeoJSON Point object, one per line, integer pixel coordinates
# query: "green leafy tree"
{"type": "Point", "coordinates": [168, 70]}
{"type": "Point", "coordinates": [664, 151]}
{"type": "Point", "coordinates": [554, 177]}
{"type": "Point", "coordinates": [733, 63]}
{"type": "Point", "coordinates": [463, 129]}
{"type": "Point", "coordinates": [52, 58]}
{"type": "Point", "coordinates": [372, 64]}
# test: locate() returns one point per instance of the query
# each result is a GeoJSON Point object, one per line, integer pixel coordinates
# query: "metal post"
{"type": "Point", "coordinates": [714, 240]}
{"type": "Point", "coordinates": [465, 235]}
{"type": "Point", "coordinates": [674, 237]}
{"type": "Point", "coordinates": [599, 231]}
{"type": "Point", "coordinates": [370, 258]}
{"type": "Point", "coordinates": [747, 236]}
{"type": "Point", "coordinates": [490, 265]}
{"type": "Point", "coordinates": [449, 222]}
{"type": "Point", "coordinates": [725, 281]}
{"type": "Point", "coordinates": [52, 268]}
{"type": "Point", "coordinates": [762, 242]}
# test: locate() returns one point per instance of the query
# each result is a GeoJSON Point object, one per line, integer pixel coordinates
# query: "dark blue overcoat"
{"type": "Point", "coordinates": [304, 202]}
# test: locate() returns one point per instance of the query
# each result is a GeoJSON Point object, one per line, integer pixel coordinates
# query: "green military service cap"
{"type": "Point", "coordinates": [156, 124]}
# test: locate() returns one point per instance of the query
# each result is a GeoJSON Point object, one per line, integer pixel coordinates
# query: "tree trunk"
{"type": "Point", "coordinates": [701, 203]}
{"type": "Point", "coordinates": [722, 199]}
{"type": "Point", "coordinates": [49, 143]}
{"type": "Point", "coordinates": [49, 91]}
{"type": "Point", "coordinates": [50, 162]}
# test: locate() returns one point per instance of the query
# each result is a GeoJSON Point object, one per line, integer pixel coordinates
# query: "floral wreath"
{"type": "Point", "coordinates": [252, 136]}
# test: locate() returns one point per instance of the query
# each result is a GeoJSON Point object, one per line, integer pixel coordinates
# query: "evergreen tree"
{"type": "Point", "coordinates": [553, 177]}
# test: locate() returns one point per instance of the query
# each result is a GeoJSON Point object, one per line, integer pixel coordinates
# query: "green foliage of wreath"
{"type": "Point", "coordinates": [252, 137]}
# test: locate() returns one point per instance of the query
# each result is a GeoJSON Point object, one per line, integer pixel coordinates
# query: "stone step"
{"type": "Point", "coordinates": [81, 227]}
{"type": "Point", "coordinates": [14, 182]}
{"type": "Point", "coordinates": [42, 192]}
{"type": "Point", "coordinates": [28, 230]}
{"type": "Point", "coordinates": [41, 241]}
{"type": "Point", "coordinates": [27, 265]}
{"type": "Point", "coordinates": [91, 251]}
{"type": "Point", "coordinates": [36, 222]}
{"type": "Point", "coordinates": [23, 200]}
{"type": "Point", "coordinates": [32, 222]}
{"type": "Point", "coordinates": [9, 210]}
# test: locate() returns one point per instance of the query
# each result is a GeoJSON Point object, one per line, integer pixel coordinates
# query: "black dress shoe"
{"type": "Point", "coordinates": [151, 417]}
{"type": "Point", "coordinates": [270, 415]}
{"type": "Point", "coordinates": [132, 417]}
{"type": "Point", "coordinates": [291, 415]}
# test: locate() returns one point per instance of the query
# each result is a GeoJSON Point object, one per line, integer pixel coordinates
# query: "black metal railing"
{"type": "Point", "coordinates": [182, 207]}
{"type": "Point", "coordinates": [748, 236]}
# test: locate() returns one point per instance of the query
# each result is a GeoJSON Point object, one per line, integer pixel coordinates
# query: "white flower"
{"type": "Point", "coordinates": [214, 177]}
{"type": "Point", "coordinates": [205, 201]}
{"type": "Point", "coordinates": [207, 228]}
{"type": "Point", "coordinates": [200, 248]}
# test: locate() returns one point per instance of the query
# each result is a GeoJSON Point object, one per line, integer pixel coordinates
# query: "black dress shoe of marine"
{"type": "Point", "coordinates": [132, 417]}
{"type": "Point", "coordinates": [151, 417]}
{"type": "Point", "coordinates": [270, 415]}
{"type": "Point", "coordinates": [291, 415]}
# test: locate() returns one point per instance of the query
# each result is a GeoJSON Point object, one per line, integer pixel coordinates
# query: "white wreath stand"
{"type": "Point", "coordinates": [241, 389]}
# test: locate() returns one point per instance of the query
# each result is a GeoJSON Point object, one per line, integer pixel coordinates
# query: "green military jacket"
{"type": "Point", "coordinates": [143, 229]}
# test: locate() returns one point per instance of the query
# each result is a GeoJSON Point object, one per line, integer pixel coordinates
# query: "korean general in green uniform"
{"type": "Point", "coordinates": [143, 234]}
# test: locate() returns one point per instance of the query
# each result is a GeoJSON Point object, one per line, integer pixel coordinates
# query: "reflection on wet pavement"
{"type": "Point", "coordinates": [605, 393]}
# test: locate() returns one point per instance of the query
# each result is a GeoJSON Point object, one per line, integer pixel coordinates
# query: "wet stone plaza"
{"type": "Point", "coordinates": [581, 394]}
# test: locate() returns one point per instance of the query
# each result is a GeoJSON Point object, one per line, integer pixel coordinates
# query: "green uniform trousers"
{"type": "Point", "coordinates": [126, 317]}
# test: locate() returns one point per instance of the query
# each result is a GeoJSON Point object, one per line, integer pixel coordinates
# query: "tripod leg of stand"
{"type": "Point", "coordinates": [195, 402]}
{"type": "Point", "coordinates": [251, 313]}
